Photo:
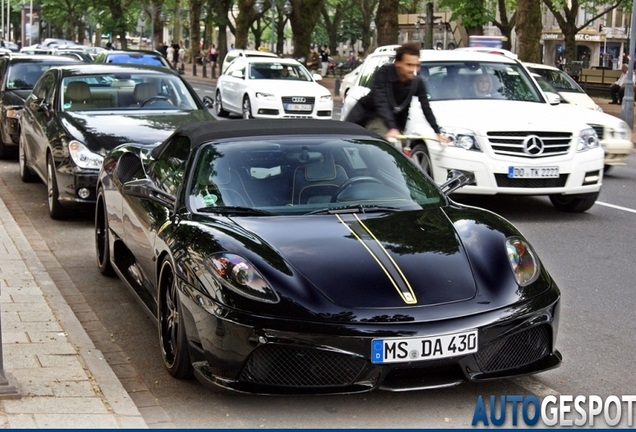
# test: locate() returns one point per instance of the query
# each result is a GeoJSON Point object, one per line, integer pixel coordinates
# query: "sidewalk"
{"type": "Point", "coordinates": [61, 379]}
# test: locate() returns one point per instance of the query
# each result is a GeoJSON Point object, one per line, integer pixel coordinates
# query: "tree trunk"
{"type": "Point", "coordinates": [221, 11]}
{"type": "Point", "coordinates": [303, 19]}
{"type": "Point", "coordinates": [529, 30]}
{"type": "Point", "coordinates": [386, 22]}
{"type": "Point", "coordinates": [195, 29]}
{"type": "Point", "coordinates": [244, 20]}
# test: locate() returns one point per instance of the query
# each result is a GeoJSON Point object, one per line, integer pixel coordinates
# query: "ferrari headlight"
{"type": "Point", "coordinates": [266, 96]}
{"type": "Point", "coordinates": [83, 157]}
{"type": "Point", "coordinates": [523, 261]}
{"type": "Point", "coordinates": [462, 138]}
{"type": "Point", "coordinates": [241, 277]}
{"type": "Point", "coordinates": [587, 140]}
{"type": "Point", "coordinates": [325, 98]}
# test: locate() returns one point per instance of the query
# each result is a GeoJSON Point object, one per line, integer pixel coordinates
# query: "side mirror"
{"type": "Point", "coordinates": [553, 98]}
{"type": "Point", "coordinates": [208, 102]}
{"type": "Point", "coordinates": [456, 179]}
{"type": "Point", "coordinates": [128, 165]}
{"type": "Point", "coordinates": [316, 77]}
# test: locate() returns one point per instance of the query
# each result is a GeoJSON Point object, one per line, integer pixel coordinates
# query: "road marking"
{"type": "Point", "coordinates": [616, 207]}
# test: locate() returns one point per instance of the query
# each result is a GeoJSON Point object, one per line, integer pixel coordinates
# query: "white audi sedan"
{"type": "Point", "coordinates": [260, 87]}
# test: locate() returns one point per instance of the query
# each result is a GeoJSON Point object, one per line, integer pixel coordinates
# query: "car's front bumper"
{"type": "Point", "coordinates": [254, 354]}
{"type": "Point", "coordinates": [71, 181]}
{"type": "Point", "coordinates": [578, 174]}
{"type": "Point", "coordinates": [616, 151]}
{"type": "Point", "coordinates": [265, 108]}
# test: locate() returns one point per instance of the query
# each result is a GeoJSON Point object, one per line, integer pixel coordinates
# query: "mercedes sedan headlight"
{"type": "Point", "coordinates": [523, 261]}
{"type": "Point", "coordinates": [83, 157]}
{"type": "Point", "coordinates": [14, 112]}
{"type": "Point", "coordinates": [462, 138]}
{"type": "Point", "coordinates": [587, 140]}
{"type": "Point", "coordinates": [239, 275]}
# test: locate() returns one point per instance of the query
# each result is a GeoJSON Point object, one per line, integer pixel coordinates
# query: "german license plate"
{"type": "Point", "coordinates": [533, 172]}
{"type": "Point", "coordinates": [428, 348]}
{"type": "Point", "coordinates": [298, 107]}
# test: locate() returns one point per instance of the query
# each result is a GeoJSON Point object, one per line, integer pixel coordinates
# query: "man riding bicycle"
{"type": "Point", "coordinates": [386, 108]}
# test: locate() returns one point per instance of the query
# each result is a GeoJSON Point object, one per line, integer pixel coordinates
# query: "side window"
{"type": "Point", "coordinates": [44, 88]}
{"type": "Point", "coordinates": [366, 77]}
{"type": "Point", "coordinates": [168, 170]}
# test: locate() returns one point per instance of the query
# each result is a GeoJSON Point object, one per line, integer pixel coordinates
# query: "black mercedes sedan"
{"type": "Point", "coordinates": [76, 114]}
{"type": "Point", "coordinates": [311, 256]}
{"type": "Point", "coordinates": [18, 75]}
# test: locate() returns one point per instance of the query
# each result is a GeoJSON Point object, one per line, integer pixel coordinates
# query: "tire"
{"type": "Point", "coordinates": [102, 243]}
{"type": "Point", "coordinates": [26, 174]}
{"type": "Point", "coordinates": [56, 211]}
{"type": "Point", "coordinates": [419, 155]}
{"type": "Point", "coordinates": [172, 337]}
{"type": "Point", "coordinates": [220, 112]}
{"type": "Point", "coordinates": [574, 203]}
{"type": "Point", "coordinates": [247, 108]}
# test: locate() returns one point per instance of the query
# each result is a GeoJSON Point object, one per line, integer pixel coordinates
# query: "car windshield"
{"type": "Point", "coordinates": [302, 175]}
{"type": "Point", "coordinates": [125, 91]}
{"type": "Point", "coordinates": [23, 76]}
{"type": "Point", "coordinates": [559, 80]}
{"type": "Point", "coordinates": [134, 58]}
{"type": "Point", "coordinates": [478, 80]}
{"type": "Point", "coordinates": [278, 71]}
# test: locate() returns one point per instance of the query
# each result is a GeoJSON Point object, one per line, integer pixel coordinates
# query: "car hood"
{"type": "Point", "coordinates": [374, 261]}
{"type": "Point", "coordinates": [290, 88]}
{"type": "Point", "coordinates": [105, 131]}
{"type": "Point", "coordinates": [15, 97]}
{"type": "Point", "coordinates": [581, 100]}
{"type": "Point", "coordinates": [483, 116]}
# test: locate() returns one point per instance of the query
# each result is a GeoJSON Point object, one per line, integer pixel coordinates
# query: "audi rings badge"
{"type": "Point", "coordinates": [298, 99]}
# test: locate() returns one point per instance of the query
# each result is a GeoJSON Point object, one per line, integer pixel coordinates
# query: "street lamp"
{"type": "Point", "coordinates": [259, 8]}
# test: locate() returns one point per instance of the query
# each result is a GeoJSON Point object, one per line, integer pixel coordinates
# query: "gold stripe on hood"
{"type": "Point", "coordinates": [385, 261]}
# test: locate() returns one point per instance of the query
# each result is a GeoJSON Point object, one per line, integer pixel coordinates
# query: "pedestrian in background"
{"type": "Point", "coordinates": [170, 55]}
{"type": "Point", "coordinates": [324, 60]}
{"type": "Point", "coordinates": [313, 60]}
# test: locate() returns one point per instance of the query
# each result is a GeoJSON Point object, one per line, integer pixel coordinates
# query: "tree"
{"type": "Point", "coordinates": [566, 13]}
{"type": "Point", "coordinates": [303, 19]}
{"type": "Point", "coordinates": [222, 10]}
{"type": "Point", "coordinates": [244, 20]}
{"type": "Point", "coordinates": [333, 12]}
{"type": "Point", "coordinates": [195, 28]}
{"type": "Point", "coordinates": [529, 30]}
{"type": "Point", "coordinates": [386, 22]}
{"type": "Point", "coordinates": [473, 14]}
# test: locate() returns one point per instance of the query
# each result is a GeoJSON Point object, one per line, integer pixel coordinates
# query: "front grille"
{"type": "Point", "coordinates": [599, 129]}
{"type": "Point", "coordinates": [515, 351]}
{"type": "Point", "coordinates": [286, 366]}
{"type": "Point", "coordinates": [308, 101]}
{"type": "Point", "coordinates": [504, 181]}
{"type": "Point", "coordinates": [511, 143]}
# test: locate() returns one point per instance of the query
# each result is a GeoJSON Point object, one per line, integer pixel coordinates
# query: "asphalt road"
{"type": "Point", "coordinates": [590, 255]}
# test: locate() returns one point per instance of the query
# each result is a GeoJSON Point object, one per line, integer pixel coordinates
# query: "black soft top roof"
{"type": "Point", "coordinates": [203, 132]}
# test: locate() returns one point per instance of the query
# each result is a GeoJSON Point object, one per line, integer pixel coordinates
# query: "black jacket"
{"type": "Point", "coordinates": [390, 99]}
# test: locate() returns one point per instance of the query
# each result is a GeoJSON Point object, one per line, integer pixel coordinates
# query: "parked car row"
{"type": "Point", "coordinates": [518, 140]}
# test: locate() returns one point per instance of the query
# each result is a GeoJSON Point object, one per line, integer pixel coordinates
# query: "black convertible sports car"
{"type": "Point", "coordinates": [312, 256]}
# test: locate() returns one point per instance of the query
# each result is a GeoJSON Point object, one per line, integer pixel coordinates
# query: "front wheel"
{"type": "Point", "coordinates": [247, 108]}
{"type": "Point", "coordinates": [574, 203]}
{"type": "Point", "coordinates": [56, 211]}
{"type": "Point", "coordinates": [26, 174]}
{"type": "Point", "coordinates": [102, 243]}
{"type": "Point", "coordinates": [172, 336]}
{"type": "Point", "coordinates": [419, 155]}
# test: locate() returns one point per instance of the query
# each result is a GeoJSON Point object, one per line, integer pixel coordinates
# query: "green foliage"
{"type": "Point", "coordinates": [472, 12]}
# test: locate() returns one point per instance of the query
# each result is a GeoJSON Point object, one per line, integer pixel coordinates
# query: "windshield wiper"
{"type": "Point", "coordinates": [356, 208]}
{"type": "Point", "coordinates": [235, 210]}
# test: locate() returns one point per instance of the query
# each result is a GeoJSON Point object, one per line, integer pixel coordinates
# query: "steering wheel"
{"type": "Point", "coordinates": [353, 181]}
{"type": "Point", "coordinates": [156, 98]}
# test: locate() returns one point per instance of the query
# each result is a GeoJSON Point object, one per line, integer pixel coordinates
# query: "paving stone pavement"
{"type": "Point", "coordinates": [61, 380]}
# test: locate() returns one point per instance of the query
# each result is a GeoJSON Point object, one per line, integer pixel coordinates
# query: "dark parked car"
{"type": "Point", "coordinates": [152, 58]}
{"type": "Point", "coordinates": [19, 73]}
{"type": "Point", "coordinates": [75, 115]}
{"type": "Point", "coordinates": [288, 256]}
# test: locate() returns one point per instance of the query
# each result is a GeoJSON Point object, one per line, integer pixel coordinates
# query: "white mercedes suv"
{"type": "Point", "coordinates": [510, 138]}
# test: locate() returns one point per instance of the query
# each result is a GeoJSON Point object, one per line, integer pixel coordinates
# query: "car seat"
{"type": "Point", "coordinates": [220, 185]}
{"type": "Point", "coordinates": [143, 92]}
{"type": "Point", "coordinates": [317, 180]}
{"type": "Point", "coordinates": [78, 95]}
